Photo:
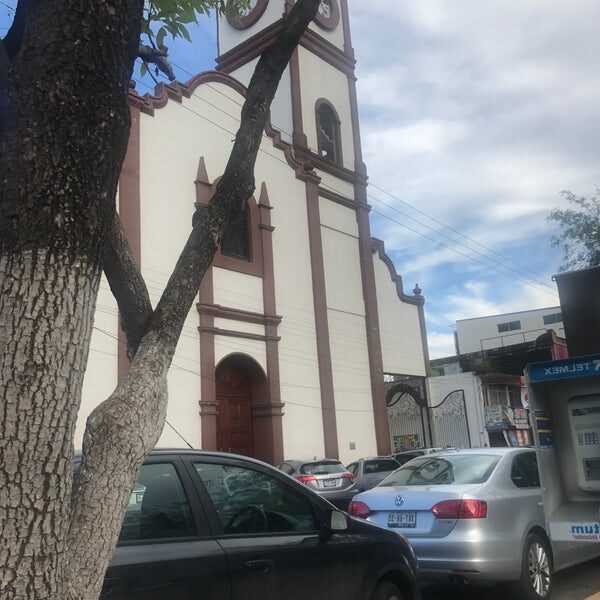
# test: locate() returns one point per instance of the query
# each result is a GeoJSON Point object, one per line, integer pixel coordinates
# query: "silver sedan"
{"type": "Point", "coordinates": [471, 516]}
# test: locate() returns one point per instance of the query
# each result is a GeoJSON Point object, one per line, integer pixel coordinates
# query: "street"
{"type": "Point", "coordinates": [578, 583]}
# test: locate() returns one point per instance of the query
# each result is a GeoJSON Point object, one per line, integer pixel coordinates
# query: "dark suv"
{"type": "Point", "coordinates": [211, 526]}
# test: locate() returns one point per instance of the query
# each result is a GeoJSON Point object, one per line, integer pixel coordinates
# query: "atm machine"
{"type": "Point", "coordinates": [564, 404]}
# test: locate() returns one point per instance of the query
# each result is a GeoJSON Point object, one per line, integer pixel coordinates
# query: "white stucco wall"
{"type": "Point", "coordinates": [482, 333]}
{"type": "Point", "coordinates": [347, 331]}
{"type": "Point", "coordinates": [281, 107]}
{"type": "Point", "coordinates": [399, 327]}
{"type": "Point", "coordinates": [439, 387]}
{"type": "Point", "coordinates": [321, 80]}
{"type": "Point", "coordinates": [101, 375]}
{"type": "Point", "coordinates": [299, 373]}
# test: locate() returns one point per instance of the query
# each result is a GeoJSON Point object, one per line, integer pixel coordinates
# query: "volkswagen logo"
{"type": "Point", "coordinates": [399, 500]}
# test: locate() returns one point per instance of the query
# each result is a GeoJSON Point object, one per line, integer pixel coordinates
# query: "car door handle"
{"type": "Point", "coordinates": [262, 565]}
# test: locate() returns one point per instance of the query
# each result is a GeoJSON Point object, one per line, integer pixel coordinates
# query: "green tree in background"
{"type": "Point", "coordinates": [579, 235]}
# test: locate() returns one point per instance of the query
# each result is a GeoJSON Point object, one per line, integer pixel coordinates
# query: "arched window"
{"type": "Point", "coordinates": [236, 237]}
{"type": "Point", "coordinates": [328, 132]}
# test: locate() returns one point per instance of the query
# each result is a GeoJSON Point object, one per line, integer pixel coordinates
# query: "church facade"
{"type": "Point", "coordinates": [302, 312]}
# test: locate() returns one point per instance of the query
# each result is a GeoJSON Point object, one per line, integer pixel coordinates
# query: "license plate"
{"type": "Point", "coordinates": [329, 482]}
{"type": "Point", "coordinates": [402, 518]}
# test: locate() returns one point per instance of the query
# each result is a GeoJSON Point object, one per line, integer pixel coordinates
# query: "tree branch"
{"type": "Point", "coordinates": [127, 285]}
{"type": "Point", "coordinates": [158, 57]}
{"type": "Point", "coordinates": [124, 428]}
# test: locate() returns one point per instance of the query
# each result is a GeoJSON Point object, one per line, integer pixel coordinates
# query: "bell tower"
{"type": "Point", "coordinates": [315, 106]}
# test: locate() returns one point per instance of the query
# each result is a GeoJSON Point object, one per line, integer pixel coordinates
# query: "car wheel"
{"type": "Point", "coordinates": [536, 570]}
{"type": "Point", "coordinates": [386, 590]}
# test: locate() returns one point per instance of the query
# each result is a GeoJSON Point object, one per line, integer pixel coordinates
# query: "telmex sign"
{"type": "Point", "coordinates": [564, 369]}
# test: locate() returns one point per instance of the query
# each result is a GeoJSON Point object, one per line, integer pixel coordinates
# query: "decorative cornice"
{"type": "Point", "coordinates": [176, 91]}
{"type": "Point", "coordinates": [255, 45]}
{"type": "Point", "coordinates": [343, 200]}
{"type": "Point", "coordinates": [379, 247]}
{"type": "Point", "coordinates": [238, 334]}
{"type": "Point", "coordinates": [234, 314]}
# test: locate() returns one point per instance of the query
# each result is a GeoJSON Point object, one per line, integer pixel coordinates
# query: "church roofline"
{"type": "Point", "coordinates": [378, 246]}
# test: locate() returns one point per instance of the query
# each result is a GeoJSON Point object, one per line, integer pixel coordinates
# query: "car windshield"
{"type": "Point", "coordinates": [444, 470]}
{"type": "Point", "coordinates": [380, 466]}
{"type": "Point", "coordinates": [323, 467]}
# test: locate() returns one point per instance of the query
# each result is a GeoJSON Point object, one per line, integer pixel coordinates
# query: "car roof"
{"type": "Point", "coordinates": [498, 451]}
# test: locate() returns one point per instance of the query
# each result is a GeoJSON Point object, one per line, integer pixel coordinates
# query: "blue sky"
{"type": "Point", "coordinates": [478, 115]}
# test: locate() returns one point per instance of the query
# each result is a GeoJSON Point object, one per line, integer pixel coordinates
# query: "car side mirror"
{"type": "Point", "coordinates": [338, 521]}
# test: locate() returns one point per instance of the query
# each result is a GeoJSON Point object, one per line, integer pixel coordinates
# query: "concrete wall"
{"type": "Point", "coordinates": [482, 333]}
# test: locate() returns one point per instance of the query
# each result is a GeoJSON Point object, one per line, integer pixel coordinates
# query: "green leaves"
{"type": "Point", "coordinates": [579, 235]}
{"type": "Point", "coordinates": [172, 16]}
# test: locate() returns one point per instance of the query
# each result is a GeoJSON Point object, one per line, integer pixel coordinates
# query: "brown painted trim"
{"type": "Point", "coordinates": [254, 46]}
{"type": "Point", "coordinates": [130, 215]}
{"type": "Point", "coordinates": [343, 200]}
{"type": "Point", "coordinates": [254, 266]}
{"type": "Point", "coordinates": [272, 347]}
{"type": "Point", "coordinates": [249, 49]}
{"type": "Point", "coordinates": [203, 185]}
{"type": "Point", "coordinates": [423, 330]}
{"type": "Point", "coordinates": [235, 314]}
{"type": "Point", "coordinates": [348, 49]}
{"type": "Point", "coordinates": [177, 91]}
{"type": "Point", "coordinates": [317, 162]}
{"type": "Point", "coordinates": [208, 397]}
{"type": "Point", "coordinates": [382, 431]}
{"type": "Point", "coordinates": [252, 17]}
{"type": "Point", "coordinates": [379, 247]}
{"type": "Point", "coordinates": [331, 22]}
{"type": "Point", "coordinates": [237, 334]}
{"type": "Point", "coordinates": [298, 135]}
{"type": "Point", "coordinates": [321, 323]}
{"type": "Point", "coordinates": [339, 158]}
{"type": "Point", "coordinates": [328, 52]}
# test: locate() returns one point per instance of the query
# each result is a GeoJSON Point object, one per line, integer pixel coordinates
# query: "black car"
{"type": "Point", "coordinates": [212, 526]}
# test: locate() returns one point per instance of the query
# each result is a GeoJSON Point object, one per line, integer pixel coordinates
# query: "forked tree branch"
{"type": "Point", "coordinates": [127, 285]}
{"type": "Point", "coordinates": [124, 428]}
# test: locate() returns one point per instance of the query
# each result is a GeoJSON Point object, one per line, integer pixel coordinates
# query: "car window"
{"type": "Point", "coordinates": [404, 458]}
{"type": "Point", "coordinates": [465, 469]}
{"type": "Point", "coordinates": [352, 468]}
{"type": "Point", "coordinates": [248, 501]}
{"type": "Point", "coordinates": [286, 468]}
{"type": "Point", "coordinates": [380, 466]}
{"type": "Point", "coordinates": [524, 473]}
{"type": "Point", "coordinates": [322, 467]}
{"type": "Point", "coordinates": [158, 508]}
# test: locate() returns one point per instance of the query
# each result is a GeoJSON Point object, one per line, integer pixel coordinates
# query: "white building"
{"type": "Point", "coordinates": [302, 312]}
{"type": "Point", "coordinates": [498, 331]}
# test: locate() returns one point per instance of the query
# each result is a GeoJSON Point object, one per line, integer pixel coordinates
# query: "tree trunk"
{"type": "Point", "coordinates": [62, 142]}
{"type": "Point", "coordinates": [47, 302]}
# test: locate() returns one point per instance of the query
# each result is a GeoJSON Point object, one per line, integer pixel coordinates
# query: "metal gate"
{"type": "Point", "coordinates": [449, 423]}
{"type": "Point", "coordinates": [407, 416]}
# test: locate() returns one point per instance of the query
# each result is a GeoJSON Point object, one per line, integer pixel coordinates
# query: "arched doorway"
{"type": "Point", "coordinates": [240, 384]}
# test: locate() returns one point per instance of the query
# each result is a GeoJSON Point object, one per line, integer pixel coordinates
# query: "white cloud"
{"type": "Point", "coordinates": [441, 344]}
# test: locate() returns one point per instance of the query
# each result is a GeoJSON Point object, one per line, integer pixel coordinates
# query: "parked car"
{"type": "Point", "coordinates": [405, 455]}
{"type": "Point", "coordinates": [214, 526]}
{"type": "Point", "coordinates": [328, 477]}
{"type": "Point", "coordinates": [368, 472]}
{"type": "Point", "coordinates": [471, 515]}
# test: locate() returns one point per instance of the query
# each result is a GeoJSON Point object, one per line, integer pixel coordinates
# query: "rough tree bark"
{"type": "Point", "coordinates": [63, 137]}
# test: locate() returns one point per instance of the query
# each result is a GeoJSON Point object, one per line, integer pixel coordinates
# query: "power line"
{"type": "Point", "coordinates": [526, 279]}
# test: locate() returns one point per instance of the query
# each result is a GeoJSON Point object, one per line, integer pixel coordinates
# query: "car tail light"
{"type": "Point", "coordinates": [460, 509]}
{"type": "Point", "coordinates": [359, 509]}
{"type": "Point", "coordinates": [348, 476]}
{"type": "Point", "coordinates": [305, 478]}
